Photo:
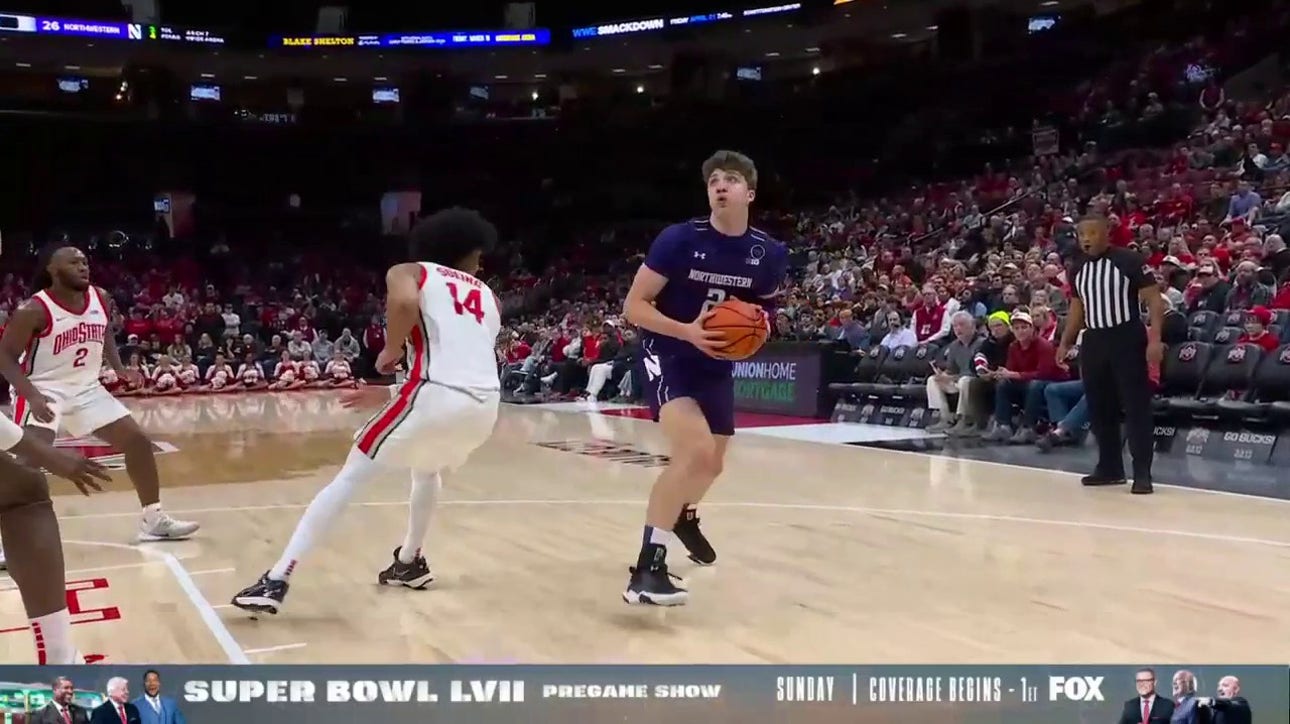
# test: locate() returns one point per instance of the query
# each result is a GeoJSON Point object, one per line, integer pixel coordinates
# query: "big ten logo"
{"type": "Point", "coordinates": [81, 611]}
{"type": "Point", "coordinates": [1075, 688]}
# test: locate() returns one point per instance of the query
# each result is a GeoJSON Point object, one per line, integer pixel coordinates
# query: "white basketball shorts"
{"type": "Point", "coordinates": [429, 427]}
{"type": "Point", "coordinates": [78, 412]}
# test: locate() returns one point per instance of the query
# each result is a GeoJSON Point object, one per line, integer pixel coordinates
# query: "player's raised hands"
{"type": "Point", "coordinates": [706, 340]}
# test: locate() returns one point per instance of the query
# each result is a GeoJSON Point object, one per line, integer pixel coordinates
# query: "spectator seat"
{"type": "Point", "coordinates": [1228, 374]}
{"type": "Point", "coordinates": [1182, 373]}
{"type": "Point", "coordinates": [1226, 336]}
{"type": "Point", "coordinates": [1269, 387]}
{"type": "Point", "coordinates": [1202, 325]}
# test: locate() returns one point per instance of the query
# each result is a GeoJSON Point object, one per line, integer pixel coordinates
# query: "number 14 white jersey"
{"type": "Point", "coordinates": [454, 344]}
{"type": "Point", "coordinates": [67, 355]}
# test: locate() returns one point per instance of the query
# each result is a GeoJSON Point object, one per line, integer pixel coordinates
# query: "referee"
{"type": "Point", "coordinates": [1107, 284]}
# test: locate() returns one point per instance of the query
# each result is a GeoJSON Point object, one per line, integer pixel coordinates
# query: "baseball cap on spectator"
{"type": "Point", "coordinates": [1171, 259]}
{"type": "Point", "coordinates": [1022, 318]}
{"type": "Point", "coordinates": [1262, 314]}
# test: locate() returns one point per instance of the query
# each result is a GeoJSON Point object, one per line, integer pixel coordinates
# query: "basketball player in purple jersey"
{"type": "Point", "coordinates": [690, 268]}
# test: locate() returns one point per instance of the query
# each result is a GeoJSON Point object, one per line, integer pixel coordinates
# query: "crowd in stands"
{"type": "Point", "coordinates": [976, 266]}
{"type": "Point", "coordinates": [180, 334]}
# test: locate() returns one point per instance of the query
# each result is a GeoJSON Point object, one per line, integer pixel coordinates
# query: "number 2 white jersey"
{"type": "Point", "coordinates": [67, 355]}
{"type": "Point", "coordinates": [454, 343]}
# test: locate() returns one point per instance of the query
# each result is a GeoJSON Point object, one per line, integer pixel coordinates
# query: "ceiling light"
{"type": "Point", "coordinates": [640, 89]}
{"type": "Point", "coordinates": [813, 49]}
{"type": "Point", "coordinates": [772, 54]}
{"type": "Point", "coordinates": [249, 77]}
{"type": "Point", "coordinates": [500, 77]}
{"type": "Point", "coordinates": [898, 36]}
{"type": "Point", "coordinates": [539, 76]}
{"type": "Point", "coordinates": [23, 65]}
{"type": "Point", "coordinates": [208, 75]}
{"type": "Point", "coordinates": [815, 70]}
{"type": "Point", "coordinates": [1048, 3]}
{"type": "Point", "coordinates": [933, 27]}
{"type": "Point", "coordinates": [620, 70]}
{"type": "Point", "coordinates": [339, 79]}
{"type": "Point", "coordinates": [656, 66]}
{"type": "Point", "coordinates": [534, 95]}
{"type": "Point", "coordinates": [380, 78]}
{"type": "Point", "coordinates": [72, 67]}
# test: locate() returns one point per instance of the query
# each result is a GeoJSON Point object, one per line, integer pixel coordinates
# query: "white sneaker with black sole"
{"type": "Point", "coordinates": [156, 524]}
{"type": "Point", "coordinates": [415, 575]}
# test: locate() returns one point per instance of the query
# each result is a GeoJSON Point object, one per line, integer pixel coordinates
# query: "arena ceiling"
{"type": "Point", "coordinates": [821, 32]}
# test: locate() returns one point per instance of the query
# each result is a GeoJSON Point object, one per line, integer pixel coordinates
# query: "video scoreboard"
{"type": "Point", "coordinates": [107, 29]}
{"type": "Point", "coordinates": [437, 39]}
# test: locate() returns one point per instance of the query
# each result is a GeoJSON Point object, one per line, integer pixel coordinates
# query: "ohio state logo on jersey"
{"type": "Point", "coordinates": [83, 333]}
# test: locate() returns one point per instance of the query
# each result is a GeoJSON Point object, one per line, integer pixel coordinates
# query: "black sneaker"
{"type": "Point", "coordinates": [265, 596]}
{"type": "Point", "coordinates": [415, 575]}
{"type": "Point", "coordinates": [653, 586]}
{"type": "Point", "coordinates": [1142, 486]}
{"type": "Point", "coordinates": [1098, 479]}
{"type": "Point", "coordinates": [687, 531]}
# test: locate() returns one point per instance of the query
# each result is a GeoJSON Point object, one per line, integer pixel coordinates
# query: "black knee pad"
{"type": "Point", "coordinates": [22, 485]}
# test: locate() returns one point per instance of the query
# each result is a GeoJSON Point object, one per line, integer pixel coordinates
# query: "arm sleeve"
{"type": "Point", "coordinates": [10, 434]}
{"type": "Point", "coordinates": [664, 253]}
{"type": "Point", "coordinates": [1135, 268]}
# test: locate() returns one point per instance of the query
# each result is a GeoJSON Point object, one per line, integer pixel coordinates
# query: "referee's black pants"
{"type": "Point", "coordinates": [1113, 365]}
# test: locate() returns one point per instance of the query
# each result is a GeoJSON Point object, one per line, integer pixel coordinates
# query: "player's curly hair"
{"type": "Point", "coordinates": [450, 235]}
{"type": "Point", "coordinates": [43, 279]}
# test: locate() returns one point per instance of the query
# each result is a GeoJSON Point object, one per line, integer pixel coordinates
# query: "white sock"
{"type": "Point", "coordinates": [323, 511]}
{"type": "Point", "coordinates": [151, 511]}
{"type": "Point", "coordinates": [425, 493]}
{"type": "Point", "coordinates": [53, 634]}
{"type": "Point", "coordinates": [660, 537]}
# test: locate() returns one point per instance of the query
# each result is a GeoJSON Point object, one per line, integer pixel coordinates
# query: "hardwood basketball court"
{"type": "Point", "coordinates": [828, 554]}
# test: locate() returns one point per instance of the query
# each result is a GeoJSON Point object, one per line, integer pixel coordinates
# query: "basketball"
{"type": "Point", "coordinates": [744, 326]}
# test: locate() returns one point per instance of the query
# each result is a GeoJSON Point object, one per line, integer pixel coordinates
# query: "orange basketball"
{"type": "Point", "coordinates": [744, 326]}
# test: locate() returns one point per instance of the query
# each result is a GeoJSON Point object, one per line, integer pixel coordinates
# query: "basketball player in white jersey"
{"type": "Point", "coordinates": [443, 322]}
{"type": "Point", "coordinates": [52, 351]}
{"type": "Point", "coordinates": [30, 531]}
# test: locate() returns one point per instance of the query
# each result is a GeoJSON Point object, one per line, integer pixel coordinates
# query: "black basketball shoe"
{"type": "Point", "coordinates": [415, 575]}
{"type": "Point", "coordinates": [696, 544]}
{"type": "Point", "coordinates": [651, 584]}
{"type": "Point", "coordinates": [265, 596]}
{"type": "Point", "coordinates": [1098, 479]}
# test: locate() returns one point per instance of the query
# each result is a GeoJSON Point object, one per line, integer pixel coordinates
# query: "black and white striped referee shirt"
{"type": "Point", "coordinates": [1108, 286]}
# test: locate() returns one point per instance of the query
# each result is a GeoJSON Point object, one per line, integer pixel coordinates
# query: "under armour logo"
{"type": "Point", "coordinates": [700, 255]}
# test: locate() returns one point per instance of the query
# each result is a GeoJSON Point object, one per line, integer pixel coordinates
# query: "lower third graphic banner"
{"type": "Point", "coordinates": [708, 694]}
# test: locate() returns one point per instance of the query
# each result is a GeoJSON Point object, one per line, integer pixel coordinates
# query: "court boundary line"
{"type": "Point", "coordinates": [933, 456]}
{"type": "Point", "coordinates": [232, 649]}
{"type": "Point", "coordinates": [813, 507]}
